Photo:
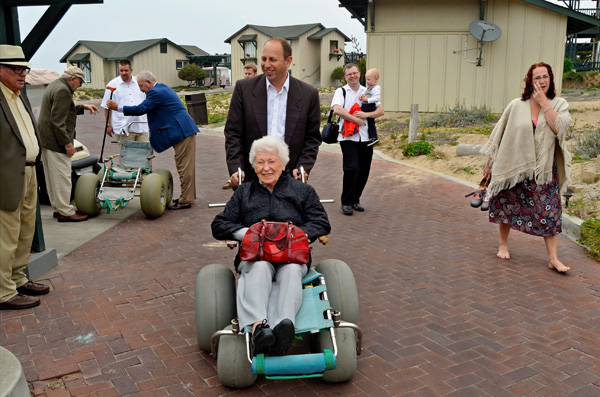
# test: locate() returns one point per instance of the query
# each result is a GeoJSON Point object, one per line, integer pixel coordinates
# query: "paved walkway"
{"type": "Point", "coordinates": [441, 315]}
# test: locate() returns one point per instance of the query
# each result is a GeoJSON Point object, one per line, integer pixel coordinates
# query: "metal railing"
{"type": "Point", "coordinates": [586, 66]}
{"type": "Point", "coordinates": [592, 12]}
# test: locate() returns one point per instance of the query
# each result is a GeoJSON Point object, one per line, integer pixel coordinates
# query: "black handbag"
{"type": "Point", "coordinates": [331, 130]}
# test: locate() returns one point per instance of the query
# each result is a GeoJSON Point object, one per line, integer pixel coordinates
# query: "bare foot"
{"type": "Point", "coordinates": [503, 252]}
{"type": "Point", "coordinates": [559, 267]}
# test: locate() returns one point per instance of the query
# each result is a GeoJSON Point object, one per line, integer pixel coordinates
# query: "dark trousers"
{"type": "Point", "coordinates": [370, 107]}
{"type": "Point", "coordinates": [357, 158]}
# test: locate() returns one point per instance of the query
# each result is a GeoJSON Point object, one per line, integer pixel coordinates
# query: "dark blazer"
{"type": "Point", "coordinates": [58, 116]}
{"type": "Point", "coordinates": [168, 120]}
{"type": "Point", "coordinates": [247, 122]}
{"type": "Point", "coordinates": [12, 155]}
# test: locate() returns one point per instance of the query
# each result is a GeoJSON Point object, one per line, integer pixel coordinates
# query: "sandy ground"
{"type": "Point", "coordinates": [586, 116]}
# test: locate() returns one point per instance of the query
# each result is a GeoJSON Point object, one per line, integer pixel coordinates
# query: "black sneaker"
{"type": "Point", "coordinates": [372, 141]}
{"type": "Point", "coordinates": [284, 337]}
{"type": "Point", "coordinates": [262, 338]}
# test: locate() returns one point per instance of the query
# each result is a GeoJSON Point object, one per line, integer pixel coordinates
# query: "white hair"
{"type": "Point", "coordinates": [145, 75]}
{"type": "Point", "coordinates": [270, 144]}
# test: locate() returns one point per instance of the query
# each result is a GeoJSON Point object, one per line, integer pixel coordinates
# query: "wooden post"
{"type": "Point", "coordinates": [414, 122]}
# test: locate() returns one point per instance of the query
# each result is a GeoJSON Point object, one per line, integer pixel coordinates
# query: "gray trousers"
{"type": "Point", "coordinates": [266, 291]}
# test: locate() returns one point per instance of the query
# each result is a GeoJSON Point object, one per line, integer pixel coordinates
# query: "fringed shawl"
{"type": "Point", "coordinates": [518, 155]}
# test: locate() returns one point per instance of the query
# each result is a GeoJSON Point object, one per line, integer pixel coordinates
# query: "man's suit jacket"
{"type": "Point", "coordinates": [247, 122]}
{"type": "Point", "coordinates": [168, 120]}
{"type": "Point", "coordinates": [12, 155]}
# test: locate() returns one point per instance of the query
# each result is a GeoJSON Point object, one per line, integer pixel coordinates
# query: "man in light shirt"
{"type": "Point", "coordinates": [273, 104]}
{"type": "Point", "coordinates": [20, 151]}
{"type": "Point", "coordinates": [126, 93]}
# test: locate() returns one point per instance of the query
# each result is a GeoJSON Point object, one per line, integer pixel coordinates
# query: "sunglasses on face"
{"type": "Point", "coordinates": [18, 69]}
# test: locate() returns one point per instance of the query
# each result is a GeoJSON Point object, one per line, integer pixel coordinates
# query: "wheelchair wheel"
{"type": "Point", "coordinates": [153, 195]}
{"type": "Point", "coordinates": [346, 357]}
{"type": "Point", "coordinates": [341, 288]}
{"type": "Point", "coordinates": [166, 174]}
{"type": "Point", "coordinates": [86, 194]}
{"type": "Point", "coordinates": [215, 302]}
{"type": "Point", "coordinates": [233, 367]}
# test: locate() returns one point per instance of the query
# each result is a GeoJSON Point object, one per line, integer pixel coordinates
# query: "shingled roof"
{"type": "Point", "coordinates": [109, 50]}
{"type": "Point", "coordinates": [286, 32]}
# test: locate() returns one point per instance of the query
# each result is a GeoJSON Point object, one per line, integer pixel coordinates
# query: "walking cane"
{"type": "Point", "coordinates": [112, 89]}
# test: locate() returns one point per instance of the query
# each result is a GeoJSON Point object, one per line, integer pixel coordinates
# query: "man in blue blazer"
{"type": "Point", "coordinates": [170, 125]}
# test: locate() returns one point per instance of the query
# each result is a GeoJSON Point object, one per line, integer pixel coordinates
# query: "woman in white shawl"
{"type": "Point", "coordinates": [529, 164]}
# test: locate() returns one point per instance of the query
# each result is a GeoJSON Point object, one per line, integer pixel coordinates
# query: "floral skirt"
{"type": "Point", "coordinates": [529, 207]}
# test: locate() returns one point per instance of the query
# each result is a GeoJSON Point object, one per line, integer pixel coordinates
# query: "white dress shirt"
{"type": "Point", "coordinates": [276, 109]}
{"type": "Point", "coordinates": [126, 95]}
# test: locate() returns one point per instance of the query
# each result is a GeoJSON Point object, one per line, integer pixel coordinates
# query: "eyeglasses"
{"type": "Point", "coordinates": [18, 69]}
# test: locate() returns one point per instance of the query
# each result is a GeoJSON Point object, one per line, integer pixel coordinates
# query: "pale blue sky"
{"type": "Point", "coordinates": [203, 23]}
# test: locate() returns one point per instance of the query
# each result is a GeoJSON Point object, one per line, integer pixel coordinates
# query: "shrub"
{"type": "Point", "coordinates": [417, 148]}
{"type": "Point", "coordinates": [191, 73]}
{"type": "Point", "coordinates": [338, 74]}
{"type": "Point", "coordinates": [590, 236]}
{"type": "Point", "coordinates": [568, 65]}
{"type": "Point", "coordinates": [573, 76]}
{"type": "Point", "coordinates": [461, 117]}
{"type": "Point", "coordinates": [588, 145]}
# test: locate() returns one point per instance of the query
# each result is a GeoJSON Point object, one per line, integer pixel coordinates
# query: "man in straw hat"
{"type": "Point", "coordinates": [58, 115]}
{"type": "Point", "coordinates": [19, 150]}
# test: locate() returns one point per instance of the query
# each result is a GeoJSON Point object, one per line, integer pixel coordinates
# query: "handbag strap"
{"type": "Point", "coordinates": [331, 111]}
{"type": "Point", "coordinates": [290, 239]}
{"type": "Point", "coordinates": [261, 246]}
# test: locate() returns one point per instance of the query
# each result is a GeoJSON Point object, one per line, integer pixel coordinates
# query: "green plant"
{"type": "Point", "coordinates": [191, 73]}
{"type": "Point", "coordinates": [573, 76]}
{"type": "Point", "coordinates": [338, 74]}
{"type": "Point", "coordinates": [582, 207]}
{"type": "Point", "coordinates": [588, 145]}
{"type": "Point", "coordinates": [590, 236]}
{"type": "Point", "coordinates": [417, 148]}
{"type": "Point", "coordinates": [466, 170]}
{"type": "Point", "coordinates": [568, 65]}
{"type": "Point", "coordinates": [461, 117]}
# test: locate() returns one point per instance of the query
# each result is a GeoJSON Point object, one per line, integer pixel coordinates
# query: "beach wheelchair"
{"type": "Point", "coordinates": [328, 338]}
{"type": "Point", "coordinates": [115, 184]}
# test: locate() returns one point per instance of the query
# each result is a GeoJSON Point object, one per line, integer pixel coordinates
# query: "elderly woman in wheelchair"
{"type": "Point", "coordinates": [270, 293]}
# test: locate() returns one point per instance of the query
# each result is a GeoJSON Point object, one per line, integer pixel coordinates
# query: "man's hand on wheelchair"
{"type": "Point", "coordinates": [235, 179]}
{"type": "Point", "coordinates": [298, 175]}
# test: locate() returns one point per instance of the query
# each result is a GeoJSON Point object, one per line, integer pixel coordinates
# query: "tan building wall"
{"type": "Point", "coordinates": [327, 65]}
{"type": "Point", "coordinates": [161, 65]}
{"type": "Point", "coordinates": [97, 70]}
{"type": "Point", "coordinates": [237, 53]}
{"type": "Point", "coordinates": [413, 45]}
{"type": "Point", "coordinates": [306, 62]}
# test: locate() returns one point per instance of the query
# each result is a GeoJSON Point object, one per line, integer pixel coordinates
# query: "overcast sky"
{"type": "Point", "coordinates": [203, 23]}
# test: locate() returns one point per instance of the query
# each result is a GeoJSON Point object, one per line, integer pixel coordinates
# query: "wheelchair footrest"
{"type": "Point", "coordinates": [297, 366]}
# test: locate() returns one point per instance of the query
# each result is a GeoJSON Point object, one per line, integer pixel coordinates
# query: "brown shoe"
{"type": "Point", "coordinates": [73, 218]}
{"type": "Point", "coordinates": [20, 302]}
{"type": "Point", "coordinates": [228, 185]}
{"type": "Point", "coordinates": [179, 206]}
{"type": "Point", "coordinates": [55, 214]}
{"type": "Point", "coordinates": [31, 288]}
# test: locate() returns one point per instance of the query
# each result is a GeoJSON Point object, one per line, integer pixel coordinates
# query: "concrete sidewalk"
{"type": "Point", "coordinates": [440, 314]}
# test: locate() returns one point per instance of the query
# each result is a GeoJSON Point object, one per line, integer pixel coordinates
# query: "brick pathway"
{"type": "Point", "coordinates": [441, 315]}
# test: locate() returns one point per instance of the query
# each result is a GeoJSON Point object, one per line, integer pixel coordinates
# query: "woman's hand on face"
{"type": "Point", "coordinates": [539, 95]}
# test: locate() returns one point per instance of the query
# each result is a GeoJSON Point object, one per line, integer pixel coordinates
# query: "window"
{"type": "Point", "coordinates": [163, 48]}
{"type": "Point", "coordinates": [333, 45]}
{"type": "Point", "coordinates": [179, 64]}
{"type": "Point", "coordinates": [250, 49]}
{"type": "Point", "coordinates": [87, 71]}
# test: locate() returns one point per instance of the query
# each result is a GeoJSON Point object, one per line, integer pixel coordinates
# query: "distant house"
{"type": "Point", "coordinates": [99, 59]}
{"type": "Point", "coordinates": [316, 50]}
{"type": "Point", "coordinates": [427, 55]}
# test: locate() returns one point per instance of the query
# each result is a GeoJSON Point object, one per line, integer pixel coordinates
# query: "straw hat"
{"type": "Point", "coordinates": [75, 72]}
{"type": "Point", "coordinates": [12, 55]}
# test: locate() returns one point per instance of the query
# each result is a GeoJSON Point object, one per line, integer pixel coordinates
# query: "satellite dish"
{"type": "Point", "coordinates": [485, 31]}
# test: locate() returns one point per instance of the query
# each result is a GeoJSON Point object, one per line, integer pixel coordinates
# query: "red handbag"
{"type": "Point", "coordinates": [275, 242]}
